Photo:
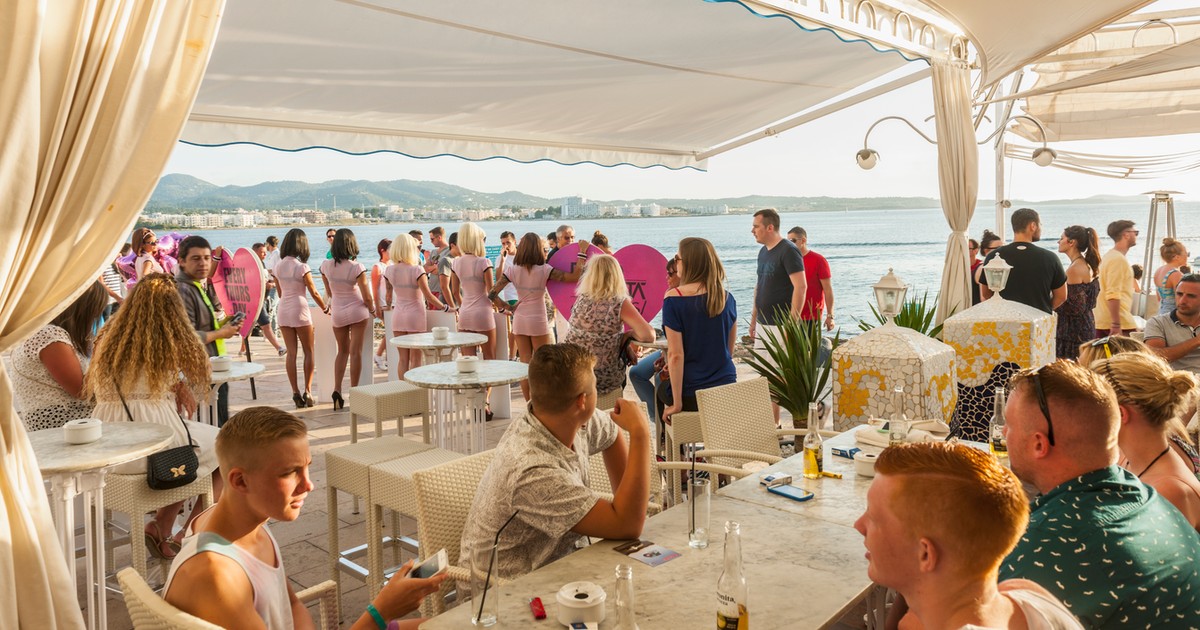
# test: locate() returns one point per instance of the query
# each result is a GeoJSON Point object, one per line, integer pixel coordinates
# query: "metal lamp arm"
{"type": "Point", "coordinates": [905, 121]}
{"type": "Point", "coordinates": [1000, 128]}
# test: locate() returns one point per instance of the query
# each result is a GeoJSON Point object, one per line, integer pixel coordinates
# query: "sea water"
{"type": "Point", "coordinates": [860, 245]}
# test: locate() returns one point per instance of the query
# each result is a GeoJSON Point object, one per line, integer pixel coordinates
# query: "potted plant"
{"type": "Point", "coordinates": [917, 314]}
{"type": "Point", "coordinates": [793, 365]}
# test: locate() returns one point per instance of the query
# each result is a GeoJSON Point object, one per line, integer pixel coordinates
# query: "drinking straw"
{"type": "Point", "coordinates": [692, 492]}
{"type": "Point", "coordinates": [487, 580]}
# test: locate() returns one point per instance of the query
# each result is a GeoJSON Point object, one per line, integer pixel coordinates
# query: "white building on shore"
{"type": "Point", "coordinates": [579, 207]}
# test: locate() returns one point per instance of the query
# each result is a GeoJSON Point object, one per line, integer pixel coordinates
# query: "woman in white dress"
{"type": "Point", "coordinates": [149, 355]}
{"type": "Point", "coordinates": [145, 248]}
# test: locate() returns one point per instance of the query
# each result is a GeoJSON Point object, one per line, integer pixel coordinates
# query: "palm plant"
{"type": "Point", "coordinates": [917, 314]}
{"type": "Point", "coordinates": [793, 366]}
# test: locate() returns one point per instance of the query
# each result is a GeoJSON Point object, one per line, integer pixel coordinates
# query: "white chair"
{"type": "Point", "coordinates": [148, 611]}
{"type": "Point", "coordinates": [684, 428]}
{"type": "Point", "coordinates": [129, 495]}
{"type": "Point", "coordinates": [608, 400]}
{"type": "Point", "coordinates": [738, 424]}
{"type": "Point", "coordinates": [444, 497]}
{"type": "Point", "coordinates": [384, 401]}
{"type": "Point", "coordinates": [598, 475]}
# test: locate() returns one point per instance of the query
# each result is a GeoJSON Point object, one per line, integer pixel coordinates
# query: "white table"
{"type": "Point", "coordinates": [238, 371]}
{"type": "Point", "coordinates": [75, 469]}
{"type": "Point", "coordinates": [460, 420]}
{"type": "Point", "coordinates": [438, 350]}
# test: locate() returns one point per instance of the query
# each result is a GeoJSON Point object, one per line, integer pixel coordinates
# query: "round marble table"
{"type": "Point", "coordinates": [75, 469]}
{"type": "Point", "coordinates": [438, 350]}
{"type": "Point", "coordinates": [238, 371]}
{"type": "Point", "coordinates": [459, 412]}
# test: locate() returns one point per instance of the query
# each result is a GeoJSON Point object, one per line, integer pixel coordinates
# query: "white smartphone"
{"type": "Point", "coordinates": [432, 566]}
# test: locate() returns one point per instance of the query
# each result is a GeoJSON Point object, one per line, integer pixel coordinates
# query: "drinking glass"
{"type": "Point", "coordinates": [485, 601]}
{"type": "Point", "coordinates": [897, 432]}
{"type": "Point", "coordinates": [699, 500]}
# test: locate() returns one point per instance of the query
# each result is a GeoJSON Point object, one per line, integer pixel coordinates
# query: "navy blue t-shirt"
{"type": "Point", "coordinates": [774, 288]}
{"type": "Point", "coordinates": [706, 359]}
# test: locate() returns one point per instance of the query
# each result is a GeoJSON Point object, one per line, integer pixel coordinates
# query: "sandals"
{"type": "Point", "coordinates": [155, 542]}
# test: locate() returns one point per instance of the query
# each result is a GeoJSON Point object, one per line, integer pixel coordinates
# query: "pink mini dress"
{"type": "Point", "coordinates": [408, 304]}
{"type": "Point", "coordinates": [475, 313]}
{"type": "Point", "coordinates": [293, 306]}
{"type": "Point", "coordinates": [349, 307]}
{"type": "Point", "coordinates": [530, 316]}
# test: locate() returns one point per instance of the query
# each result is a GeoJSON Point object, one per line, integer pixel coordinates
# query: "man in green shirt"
{"type": "Point", "coordinates": [1111, 548]}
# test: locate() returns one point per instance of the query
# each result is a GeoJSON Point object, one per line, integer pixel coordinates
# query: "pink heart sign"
{"type": "Point", "coordinates": [645, 270]}
{"type": "Point", "coordinates": [241, 284]}
{"type": "Point", "coordinates": [563, 293]}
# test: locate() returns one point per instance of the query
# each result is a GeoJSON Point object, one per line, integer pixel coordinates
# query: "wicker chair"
{"type": "Point", "coordinates": [148, 611]}
{"type": "Point", "coordinates": [672, 469]}
{"type": "Point", "coordinates": [385, 401]}
{"type": "Point", "coordinates": [738, 424]}
{"type": "Point", "coordinates": [608, 400]}
{"type": "Point", "coordinates": [444, 497]}
{"type": "Point", "coordinates": [598, 477]}
{"type": "Point", "coordinates": [130, 495]}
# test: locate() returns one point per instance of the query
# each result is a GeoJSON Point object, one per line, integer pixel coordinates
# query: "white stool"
{"type": "Point", "coordinates": [130, 495]}
{"type": "Point", "coordinates": [394, 399]}
{"type": "Point", "coordinates": [346, 470]}
{"type": "Point", "coordinates": [392, 487]}
{"type": "Point", "coordinates": [685, 428]}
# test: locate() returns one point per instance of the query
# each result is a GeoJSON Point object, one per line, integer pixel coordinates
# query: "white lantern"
{"type": "Point", "coordinates": [996, 272]}
{"type": "Point", "coordinates": [889, 295]}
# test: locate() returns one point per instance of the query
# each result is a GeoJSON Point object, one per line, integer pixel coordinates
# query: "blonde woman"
{"type": "Point", "coordinates": [408, 291]}
{"type": "Point", "coordinates": [602, 307]}
{"type": "Point", "coordinates": [471, 278]}
{"type": "Point", "coordinates": [148, 359]}
{"type": "Point", "coordinates": [1175, 255]}
{"type": "Point", "coordinates": [1152, 438]}
{"type": "Point", "coordinates": [700, 319]}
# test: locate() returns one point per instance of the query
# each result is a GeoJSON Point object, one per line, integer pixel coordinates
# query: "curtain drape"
{"type": "Point", "coordinates": [93, 96]}
{"type": "Point", "coordinates": [958, 178]}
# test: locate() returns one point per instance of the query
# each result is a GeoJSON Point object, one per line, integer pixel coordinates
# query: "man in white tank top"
{"type": "Point", "coordinates": [940, 519]}
{"type": "Point", "coordinates": [230, 564]}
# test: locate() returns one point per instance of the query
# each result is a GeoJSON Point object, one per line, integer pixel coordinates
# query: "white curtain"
{"type": "Point", "coordinates": [93, 96]}
{"type": "Point", "coordinates": [958, 178]}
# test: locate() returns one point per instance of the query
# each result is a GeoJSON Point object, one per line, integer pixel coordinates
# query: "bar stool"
{"type": "Point", "coordinates": [392, 487]}
{"type": "Point", "coordinates": [129, 495]}
{"type": "Point", "coordinates": [384, 401]}
{"type": "Point", "coordinates": [346, 470]}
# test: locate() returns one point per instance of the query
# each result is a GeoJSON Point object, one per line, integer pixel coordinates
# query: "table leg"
{"type": "Point", "coordinates": [94, 550]}
{"type": "Point", "coordinates": [64, 489]}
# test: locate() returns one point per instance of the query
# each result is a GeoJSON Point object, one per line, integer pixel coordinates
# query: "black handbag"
{"type": "Point", "coordinates": [172, 468]}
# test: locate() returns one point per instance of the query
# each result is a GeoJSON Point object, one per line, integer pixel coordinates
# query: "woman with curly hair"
{"type": "Point", "coordinates": [148, 359]}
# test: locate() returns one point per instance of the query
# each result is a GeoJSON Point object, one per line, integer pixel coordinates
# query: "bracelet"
{"type": "Point", "coordinates": [379, 620]}
{"type": "Point", "coordinates": [582, 255]}
{"type": "Point", "coordinates": [445, 308]}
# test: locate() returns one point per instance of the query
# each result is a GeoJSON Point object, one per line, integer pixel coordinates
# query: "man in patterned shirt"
{"type": "Point", "coordinates": [1111, 548]}
{"type": "Point", "coordinates": [540, 470]}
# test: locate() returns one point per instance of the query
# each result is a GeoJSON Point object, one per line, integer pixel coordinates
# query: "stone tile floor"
{"type": "Point", "coordinates": [303, 542]}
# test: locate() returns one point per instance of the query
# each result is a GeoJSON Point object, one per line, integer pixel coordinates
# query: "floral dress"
{"type": "Point", "coordinates": [596, 325]}
{"type": "Point", "coordinates": [1076, 322]}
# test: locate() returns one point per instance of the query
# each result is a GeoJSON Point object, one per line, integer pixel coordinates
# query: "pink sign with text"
{"type": "Point", "coordinates": [241, 284]}
{"type": "Point", "coordinates": [564, 260]}
{"type": "Point", "coordinates": [645, 270]}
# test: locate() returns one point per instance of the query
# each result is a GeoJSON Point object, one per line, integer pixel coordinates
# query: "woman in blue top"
{"type": "Point", "coordinates": [700, 319]}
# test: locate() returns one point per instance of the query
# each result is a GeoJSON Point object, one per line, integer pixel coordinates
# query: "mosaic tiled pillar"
{"type": "Point", "coordinates": [868, 367]}
{"type": "Point", "coordinates": [993, 340]}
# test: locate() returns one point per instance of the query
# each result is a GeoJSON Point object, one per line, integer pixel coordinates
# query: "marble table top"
{"type": "Point", "coordinates": [425, 341]}
{"type": "Point", "coordinates": [238, 371]}
{"type": "Point", "coordinates": [659, 343]}
{"type": "Point", "coordinates": [794, 583]}
{"type": "Point", "coordinates": [447, 376]}
{"type": "Point", "coordinates": [119, 442]}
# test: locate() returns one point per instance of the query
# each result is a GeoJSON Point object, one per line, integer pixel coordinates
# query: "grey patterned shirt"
{"type": "Point", "coordinates": [547, 481]}
{"type": "Point", "coordinates": [1114, 551]}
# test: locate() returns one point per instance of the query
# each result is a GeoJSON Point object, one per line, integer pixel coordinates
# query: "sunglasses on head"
{"type": "Point", "coordinates": [1103, 342]}
{"type": "Point", "coordinates": [1041, 401]}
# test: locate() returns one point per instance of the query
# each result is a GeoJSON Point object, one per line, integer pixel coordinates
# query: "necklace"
{"type": "Point", "coordinates": [1155, 461]}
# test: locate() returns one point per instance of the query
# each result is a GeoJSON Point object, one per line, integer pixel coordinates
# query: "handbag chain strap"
{"type": "Point", "coordinates": [129, 415]}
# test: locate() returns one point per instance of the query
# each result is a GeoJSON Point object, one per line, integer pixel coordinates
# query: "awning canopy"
{"type": "Point", "coordinates": [616, 82]}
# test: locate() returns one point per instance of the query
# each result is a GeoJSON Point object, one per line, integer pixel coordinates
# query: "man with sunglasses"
{"type": "Point", "coordinates": [1110, 548]}
{"type": "Point", "coordinates": [1173, 335]}
{"type": "Point", "coordinates": [818, 296]}
{"type": "Point", "coordinates": [1113, 316]}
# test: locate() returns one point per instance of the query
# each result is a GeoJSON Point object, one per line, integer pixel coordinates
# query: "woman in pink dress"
{"type": "Point", "coordinates": [346, 286]}
{"type": "Point", "coordinates": [529, 274]}
{"type": "Point", "coordinates": [408, 292]}
{"type": "Point", "coordinates": [145, 250]}
{"type": "Point", "coordinates": [293, 281]}
{"type": "Point", "coordinates": [376, 277]}
{"type": "Point", "coordinates": [471, 279]}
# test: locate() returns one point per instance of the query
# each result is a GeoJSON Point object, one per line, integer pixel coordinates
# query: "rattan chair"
{"type": "Point", "coordinates": [598, 476]}
{"type": "Point", "coordinates": [672, 469]}
{"type": "Point", "coordinates": [444, 497]}
{"type": "Point", "coordinates": [738, 425]}
{"type": "Point", "coordinates": [608, 400]}
{"type": "Point", "coordinates": [385, 401]}
{"type": "Point", "coordinates": [149, 611]}
{"type": "Point", "coordinates": [129, 495]}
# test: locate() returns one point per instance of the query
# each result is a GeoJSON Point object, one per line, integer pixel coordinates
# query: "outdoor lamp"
{"type": "Point", "coordinates": [996, 272]}
{"type": "Point", "coordinates": [889, 295]}
{"type": "Point", "coordinates": [867, 159]}
{"type": "Point", "coordinates": [1044, 156]}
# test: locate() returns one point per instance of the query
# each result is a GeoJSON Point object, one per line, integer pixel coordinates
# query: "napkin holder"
{"type": "Point", "coordinates": [467, 365]}
{"type": "Point", "coordinates": [864, 463]}
{"type": "Point", "coordinates": [83, 431]}
{"type": "Point", "coordinates": [440, 332]}
{"type": "Point", "coordinates": [221, 364]}
{"type": "Point", "coordinates": [580, 602]}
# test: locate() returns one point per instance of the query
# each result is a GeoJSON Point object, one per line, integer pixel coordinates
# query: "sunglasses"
{"type": "Point", "coordinates": [153, 242]}
{"type": "Point", "coordinates": [795, 240]}
{"type": "Point", "coordinates": [1041, 400]}
{"type": "Point", "coordinates": [1103, 343]}
{"type": "Point", "coordinates": [329, 236]}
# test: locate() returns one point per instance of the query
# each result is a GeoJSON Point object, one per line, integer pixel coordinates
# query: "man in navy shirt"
{"type": "Point", "coordinates": [781, 283]}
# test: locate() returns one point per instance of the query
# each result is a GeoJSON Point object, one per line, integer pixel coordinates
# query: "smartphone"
{"type": "Point", "coordinates": [432, 566]}
{"type": "Point", "coordinates": [238, 317]}
{"type": "Point", "coordinates": [791, 492]}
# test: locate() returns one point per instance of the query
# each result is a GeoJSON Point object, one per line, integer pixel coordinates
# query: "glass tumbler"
{"type": "Point", "coordinates": [485, 601]}
{"type": "Point", "coordinates": [699, 504]}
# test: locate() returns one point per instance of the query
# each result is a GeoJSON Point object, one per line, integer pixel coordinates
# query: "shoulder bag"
{"type": "Point", "coordinates": [172, 468]}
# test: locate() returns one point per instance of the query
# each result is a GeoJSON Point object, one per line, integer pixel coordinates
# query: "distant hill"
{"type": "Point", "coordinates": [177, 192]}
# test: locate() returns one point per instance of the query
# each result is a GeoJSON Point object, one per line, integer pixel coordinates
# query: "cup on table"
{"type": "Point", "coordinates": [485, 601]}
{"type": "Point", "coordinates": [898, 432]}
{"type": "Point", "coordinates": [467, 364]}
{"type": "Point", "coordinates": [699, 504]}
{"type": "Point", "coordinates": [440, 332]}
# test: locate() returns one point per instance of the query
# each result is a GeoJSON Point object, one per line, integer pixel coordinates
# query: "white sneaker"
{"type": "Point", "coordinates": [381, 363]}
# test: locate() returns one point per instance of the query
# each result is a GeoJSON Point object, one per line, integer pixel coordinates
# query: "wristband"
{"type": "Point", "coordinates": [379, 620]}
{"type": "Point", "coordinates": [582, 255]}
{"type": "Point", "coordinates": [445, 308]}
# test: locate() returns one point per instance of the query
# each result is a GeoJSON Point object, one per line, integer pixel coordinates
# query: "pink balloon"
{"type": "Point", "coordinates": [645, 270]}
{"type": "Point", "coordinates": [565, 259]}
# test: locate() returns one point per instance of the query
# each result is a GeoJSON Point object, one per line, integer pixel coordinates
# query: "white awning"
{"type": "Point", "coordinates": [617, 82]}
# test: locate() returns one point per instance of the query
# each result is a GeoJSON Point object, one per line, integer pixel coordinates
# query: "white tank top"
{"type": "Point", "coordinates": [271, 600]}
